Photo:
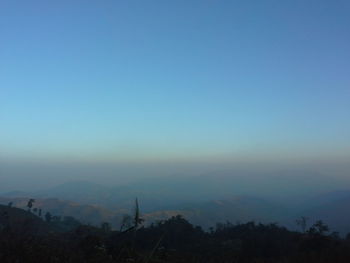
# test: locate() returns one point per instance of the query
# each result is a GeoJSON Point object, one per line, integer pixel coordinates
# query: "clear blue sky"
{"type": "Point", "coordinates": [174, 79]}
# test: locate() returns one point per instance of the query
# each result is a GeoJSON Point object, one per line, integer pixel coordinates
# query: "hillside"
{"type": "Point", "coordinates": [238, 209]}
{"type": "Point", "coordinates": [160, 193]}
{"type": "Point", "coordinates": [88, 214]}
{"type": "Point", "coordinates": [21, 221]}
{"type": "Point", "coordinates": [92, 203]}
{"type": "Point", "coordinates": [174, 240]}
{"type": "Point", "coordinates": [205, 214]}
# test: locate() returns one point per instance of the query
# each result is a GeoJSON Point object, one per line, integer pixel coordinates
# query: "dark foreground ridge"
{"type": "Point", "coordinates": [29, 236]}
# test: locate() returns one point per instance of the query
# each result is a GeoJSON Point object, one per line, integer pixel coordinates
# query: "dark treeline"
{"type": "Point", "coordinates": [27, 237]}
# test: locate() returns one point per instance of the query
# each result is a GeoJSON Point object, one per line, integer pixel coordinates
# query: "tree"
{"type": "Point", "coordinates": [132, 223]}
{"type": "Point", "coordinates": [48, 217]}
{"type": "Point", "coordinates": [106, 227]}
{"type": "Point", "coordinates": [126, 223]}
{"type": "Point", "coordinates": [69, 223]}
{"type": "Point", "coordinates": [319, 228]}
{"type": "Point", "coordinates": [302, 222]}
{"type": "Point", "coordinates": [30, 204]}
{"type": "Point", "coordinates": [137, 219]}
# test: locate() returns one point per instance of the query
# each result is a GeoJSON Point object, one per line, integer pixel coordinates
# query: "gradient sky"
{"type": "Point", "coordinates": [114, 80]}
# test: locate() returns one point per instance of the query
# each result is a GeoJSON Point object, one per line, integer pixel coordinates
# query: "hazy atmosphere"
{"type": "Point", "coordinates": [214, 110]}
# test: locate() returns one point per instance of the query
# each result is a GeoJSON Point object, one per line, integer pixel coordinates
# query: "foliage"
{"type": "Point", "coordinates": [26, 237]}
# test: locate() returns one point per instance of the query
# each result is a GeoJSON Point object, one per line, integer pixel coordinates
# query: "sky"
{"type": "Point", "coordinates": [174, 80]}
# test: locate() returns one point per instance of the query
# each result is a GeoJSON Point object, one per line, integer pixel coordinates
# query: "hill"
{"type": "Point", "coordinates": [237, 209]}
{"type": "Point", "coordinates": [88, 214]}
{"type": "Point", "coordinates": [21, 221]}
{"type": "Point", "coordinates": [159, 193]}
{"type": "Point", "coordinates": [161, 199]}
{"type": "Point", "coordinates": [205, 214]}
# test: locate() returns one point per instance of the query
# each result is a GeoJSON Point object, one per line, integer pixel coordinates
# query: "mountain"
{"type": "Point", "coordinates": [88, 214]}
{"type": "Point", "coordinates": [203, 200]}
{"type": "Point", "coordinates": [23, 222]}
{"type": "Point", "coordinates": [79, 191]}
{"type": "Point", "coordinates": [158, 193]}
{"type": "Point", "coordinates": [205, 214]}
{"type": "Point", "coordinates": [237, 209]}
{"type": "Point", "coordinates": [25, 237]}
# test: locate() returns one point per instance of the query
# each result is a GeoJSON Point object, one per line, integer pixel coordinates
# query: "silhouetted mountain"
{"type": "Point", "coordinates": [89, 214]}
{"type": "Point", "coordinates": [238, 209]}
{"type": "Point", "coordinates": [162, 198]}
{"type": "Point", "coordinates": [205, 214]}
{"type": "Point", "coordinates": [21, 221]}
{"type": "Point", "coordinates": [26, 238]}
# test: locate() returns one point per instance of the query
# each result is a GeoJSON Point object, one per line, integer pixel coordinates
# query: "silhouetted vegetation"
{"type": "Point", "coordinates": [26, 237]}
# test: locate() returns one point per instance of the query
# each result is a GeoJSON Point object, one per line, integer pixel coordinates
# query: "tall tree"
{"type": "Point", "coordinates": [30, 204]}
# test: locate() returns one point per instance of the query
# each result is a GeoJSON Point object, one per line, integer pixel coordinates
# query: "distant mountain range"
{"type": "Point", "coordinates": [200, 203]}
{"type": "Point", "coordinates": [293, 187]}
{"type": "Point", "coordinates": [205, 214]}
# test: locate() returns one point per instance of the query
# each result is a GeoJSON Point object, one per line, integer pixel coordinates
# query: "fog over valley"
{"type": "Point", "coordinates": [204, 193]}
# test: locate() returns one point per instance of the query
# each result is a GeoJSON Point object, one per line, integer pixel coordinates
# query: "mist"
{"type": "Point", "coordinates": [36, 175]}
